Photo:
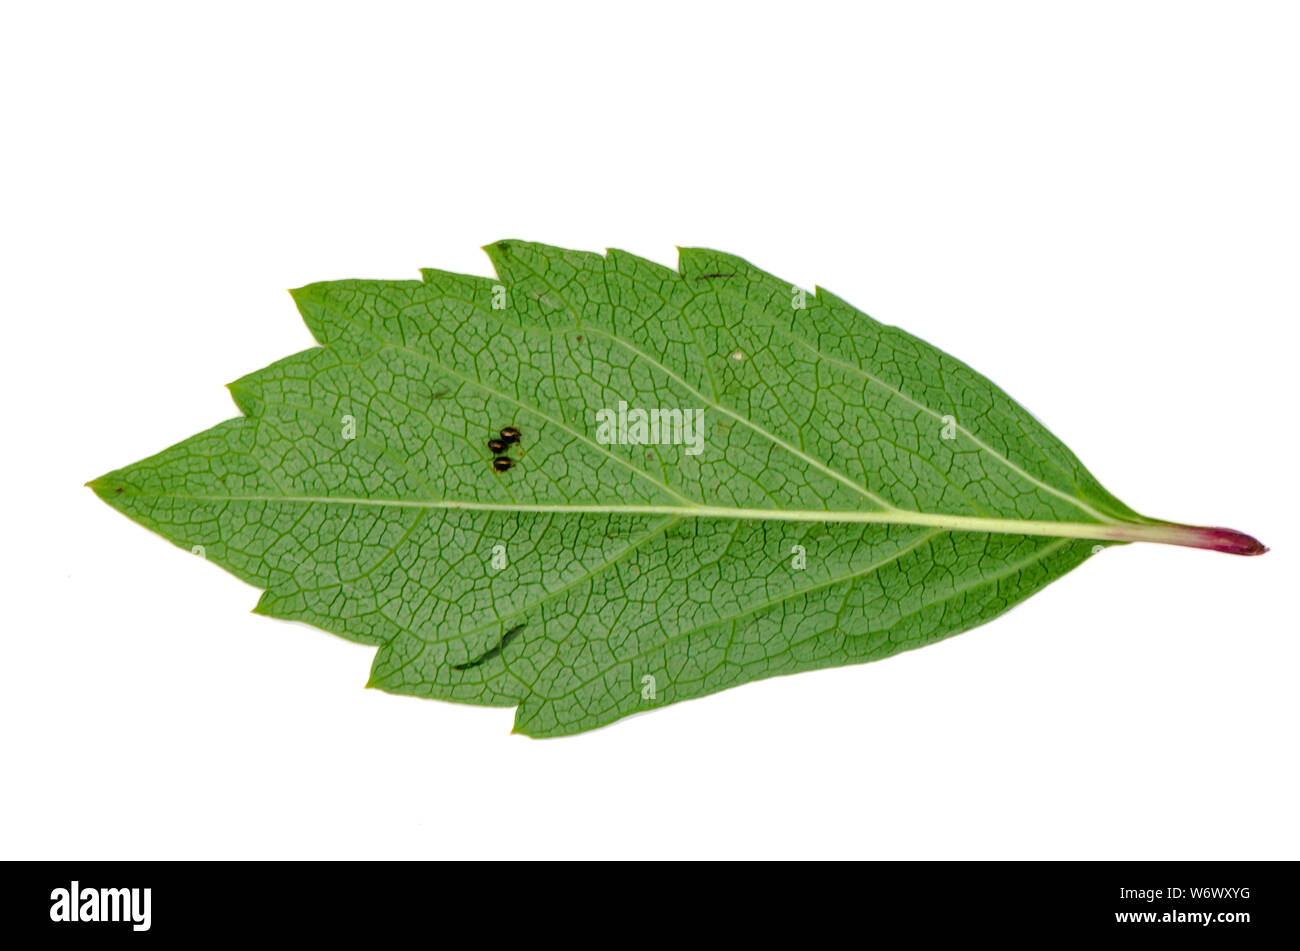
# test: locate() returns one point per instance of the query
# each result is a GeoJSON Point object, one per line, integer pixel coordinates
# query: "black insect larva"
{"type": "Point", "coordinates": [502, 463]}
{"type": "Point", "coordinates": [497, 446]}
{"type": "Point", "coordinates": [510, 434]}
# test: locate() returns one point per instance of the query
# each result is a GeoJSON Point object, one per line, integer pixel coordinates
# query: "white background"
{"type": "Point", "coordinates": [1094, 204]}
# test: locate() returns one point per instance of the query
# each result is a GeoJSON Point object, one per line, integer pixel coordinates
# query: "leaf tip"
{"type": "Point", "coordinates": [106, 487]}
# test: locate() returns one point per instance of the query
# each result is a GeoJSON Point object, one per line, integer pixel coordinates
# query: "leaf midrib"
{"type": "Point", "coordinates": [963, 523]}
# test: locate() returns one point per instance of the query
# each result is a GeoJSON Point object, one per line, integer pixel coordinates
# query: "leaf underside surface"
{"type": "Point", "coordinates": [856, 492]}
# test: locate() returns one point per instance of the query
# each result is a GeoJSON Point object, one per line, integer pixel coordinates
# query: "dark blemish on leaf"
{"type": "Point", "coordinates": [118, 490]}
{"type": "Point", "coordinates": [502, 463]}
{"type": "Point", "coordinates": [511, 434]}
{"type": "Point", "coordinates": [494, 652]}
{"type": "Point", "coordinates": [712, 276]}
{"type": "Point", "coordinates": [496, 446]}
{"type": "Point", "coordinates": [440, 394]}
{"type": "Point", "coordinates": [509, 636]}
{"type": "Point", "coordinates": [578, 338]}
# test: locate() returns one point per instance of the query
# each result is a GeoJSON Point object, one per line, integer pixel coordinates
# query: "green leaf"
{"type": "Point", "coordinates": [855, 492]}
